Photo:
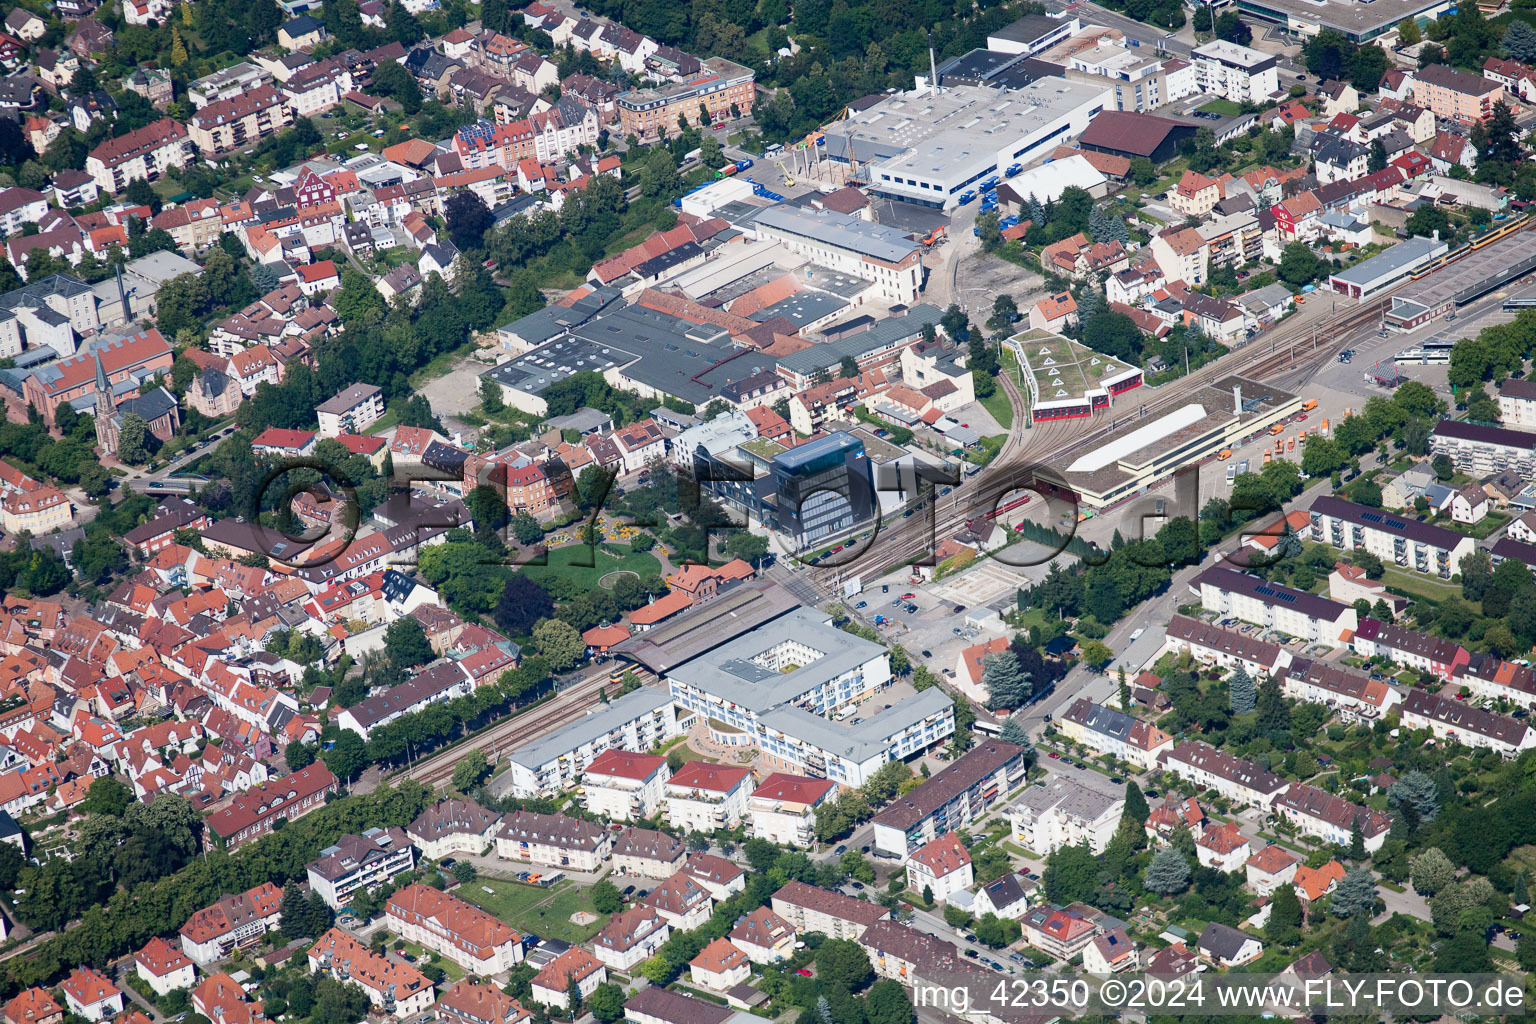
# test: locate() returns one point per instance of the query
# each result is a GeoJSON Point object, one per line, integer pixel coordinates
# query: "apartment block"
{"type": "Point", "coordinates": [143, 154]}
{"type": "Point", "coordinates": [624, 786]}
{"type": "Point", "coordinates": [951, 800]}
{"type": "Point", "coordinates": [710, 94]}
{"type": "Point", "coordinates": [638, 720]}
{"type": "Point", "coordinates": [1113, 732]}
{"type": "Point", "coordinates": [240, 121]}
{"type": "Point", "coordinates": [462, 932]}
{"type": "Point", "coordinates": [1231, 777]}
{"type": "Point", "coordinates": [707, 797]}
{"type": "Point", "coordinates": [553, 840]}
{"type": "Point", "coordinates": [810, 908]}
{"type": "Point", "coordinates": [783, 808]}
{"type": "Point", "coordinates": [1456, 721]}
{"type": "Point", "coordinates": [1064, 812]}
{"type": "Point", "coordinates": [1235, 72]}
{"type": "Point", "coordinates": [350, 411]}
{"type": "Point", "coordinates": [393, 986]}
{"type": "Point", "coordinates": [357, 863]}
{"type": "Point", "coordinates": [1408, 543]}
{"type": "Point", "coordinates": [1330, 818]}
{"type": "Point", "coordinates": [1352, 693]}
{"type": "Point", "coordinates": [1292, 612]}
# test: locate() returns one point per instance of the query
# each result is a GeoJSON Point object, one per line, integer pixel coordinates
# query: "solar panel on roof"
{"type": "Point", "coordinates": [1396, 524]}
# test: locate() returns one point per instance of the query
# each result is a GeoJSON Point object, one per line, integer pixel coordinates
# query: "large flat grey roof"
{"type": "Point", "coordinates": [585, 730]}
{"type": "Point", "coordinates": [925, 134]}
{"type": "Point", "coordinates": [1403, 254]}
{"type": "Point", "coordinates": [858, 739]}
{"type": "Point", "coordinates": [729, 671]}
{"type": "Point", "coordinates": [1357, 20]}
{"type": "Point", "coordinates": [840, 230]}
{"type": "Point", "coordinates": [886, 332]}
{"type": "Point", "coordinates": [673, 355]}
{"type": "Point", "coordinates": [1072, 796]}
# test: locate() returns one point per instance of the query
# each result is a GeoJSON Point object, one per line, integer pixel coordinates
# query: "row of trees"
{"type": "Point", "coordinates": [127, 916]}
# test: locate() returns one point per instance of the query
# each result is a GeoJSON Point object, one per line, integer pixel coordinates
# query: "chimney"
{"type": "Point", "coordinates": [933, 68]}
{"type": "Point", "coordinates": [1237, 399]}
{"type": "Point", "coordinates": [122, 295]}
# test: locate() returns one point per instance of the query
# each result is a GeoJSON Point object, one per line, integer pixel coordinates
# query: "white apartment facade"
{"type": "Point", "coordinates": [638, 720]}
{"type": "Point", "coordinates": [1235, 72]}
{"type": "Point", "coordinates": [783, 808]}
{"type": "Point", "coordinates": [624, 786]}
{"type": "Point", "coordinates": [1064, 813]}
{"type": "Point", "coordinates": [707, 797]}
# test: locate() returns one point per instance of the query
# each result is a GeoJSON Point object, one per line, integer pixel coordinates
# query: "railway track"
{"type": "Point", "coordinates": [567, 706]}
{"type": "Point", "coordinates": [1014, 466]}
{"type": "Point", "coordinates": [1301, 349]}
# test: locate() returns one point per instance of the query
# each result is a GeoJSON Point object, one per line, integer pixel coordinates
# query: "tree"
{"type": "Point", "coordinates": [1356, 841]}
{"type": "Point", "coordinates": [133, 439]}
{"type": "Point", "coordinates": [606, 1002]}
{"type": "Point", "coordinates": [1367, 66]}
{"type": "Point", "coordinates": [1285, 916]}
{"type": "Point", "coordinates": [469, 770]}
{"type": "Point", "coordinates": [107, 795]}
{"type": "Point", "coordinates": [1498, 138]}
{"type": "Point", "coordinates": [1096, 653]}
{"type": "Point", "coordinates": [1168, 873]}
{"type": "Point", "coordinates": [1013, 732]}
{"type": "Point", "coordinates": [523, 603]}
{"type": "Point", "coordinates": [1417, 791]}
{"type": "Point", "coordinates": [1232, 28]}
{"type": "Point", "coordinates": [1409, 33]}
{"type": "Point", "coordinates": [1467, 951]}
{"type": "Point", "coordinates": [298, 756]}
{"type": "Point", "coordinates": [1378, 157]}
{"type": "Point", "coordinates": [1368, 561]}
{"type": "Point", "coordinates": [1431, 871]}
{"type": "Point", "coordinates": [1244, 695]}
{"type": "Point", "coordinates": [1298, 265]}
{"type": "Point", "coordinates": [843, 962]}
{"type": "Point", "coordinates": [294, 922]}
{"type": "Point", "coordinates": [1008, 685]}
{"type": "Point", "coordinates": [1136, 809]}
{"type": "Point", "coordinates": [887, 1002]}
{"type": "Point", "coordinates": [346, 757]}
{"type": "Point", "coordinates": [1356, 894]}
{"type": "Point", "coordinates": [406, 643]}
{"type": "Point", "coordinates": [392, 80]}
{"type": "Point", "coordinates": [1520, 41]}
{"type": "Point", "coordinates": [606, 898]}
{"type": "Point", "coordinates": [560, 644]}
{"type": "Point", "coordinates": [468, 219]}
{"type": "Point", "coordinates": [525, 528]}
{"type": "Point", "coordinates": [1274, 713]}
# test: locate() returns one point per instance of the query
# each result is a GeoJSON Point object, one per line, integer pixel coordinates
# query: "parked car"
{"type": "Point", "coordinates": [840, 850]}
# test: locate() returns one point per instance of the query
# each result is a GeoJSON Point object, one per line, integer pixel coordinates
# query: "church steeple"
{"type": "Point", "coordinates": [106, 411]}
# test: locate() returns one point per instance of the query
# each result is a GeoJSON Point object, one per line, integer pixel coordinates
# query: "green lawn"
{"type": "Point", "coordinates": [383, 423]}
{"type": "Point", "coordinates": [451, 971]}
{"type": "Point", "coordinates": [1226, 108]}
{"type": "Point", "coordinates": [572, 560]}
{"type": "Point", "coordinates": [530, 908]}
{"type": "Point", "coordinates": [1419, 585]}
